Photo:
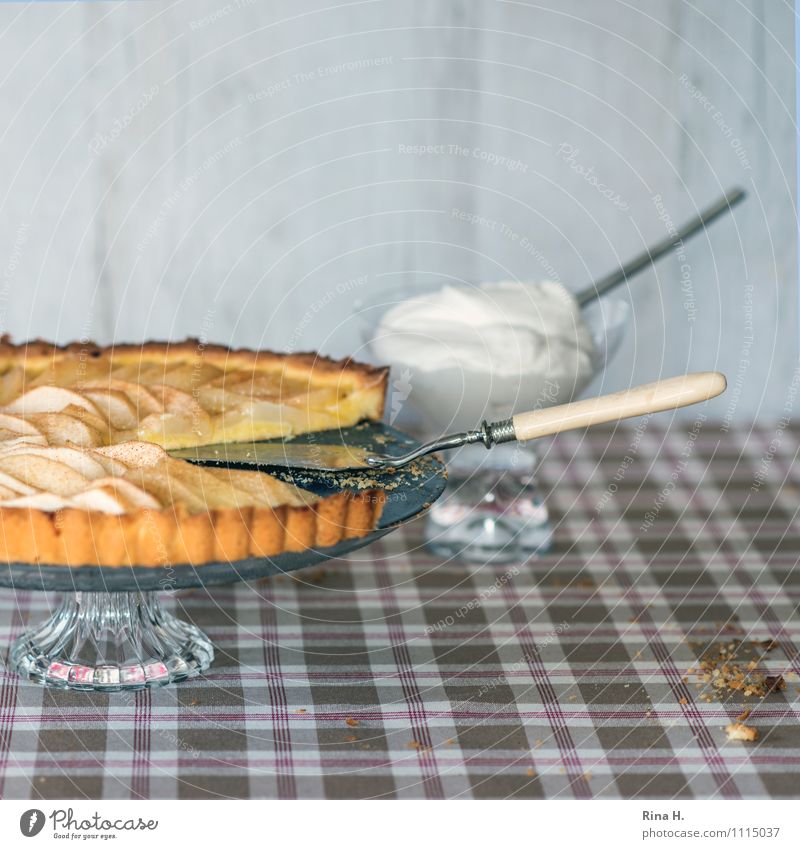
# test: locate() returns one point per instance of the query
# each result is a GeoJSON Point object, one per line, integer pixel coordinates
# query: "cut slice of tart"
{"type": "Point", "coordinates": [85, 479]}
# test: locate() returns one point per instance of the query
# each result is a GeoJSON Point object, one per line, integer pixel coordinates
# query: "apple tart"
{"type": "Point", "coordinates": [85, 477]}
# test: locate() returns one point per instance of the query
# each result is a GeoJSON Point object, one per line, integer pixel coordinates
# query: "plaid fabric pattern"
{"type": "Point", "coordinates": [394, 675]}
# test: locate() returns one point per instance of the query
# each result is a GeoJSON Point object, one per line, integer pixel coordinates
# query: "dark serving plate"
{"type": "Point", "coordinates": [409, 493]}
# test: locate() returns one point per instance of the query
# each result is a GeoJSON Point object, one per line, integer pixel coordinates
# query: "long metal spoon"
{"type": "Point", "coordinates": [650, 255]}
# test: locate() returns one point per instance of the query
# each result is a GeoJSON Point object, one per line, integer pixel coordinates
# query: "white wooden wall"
{"type": "Point", "coordinates": [240, 169]}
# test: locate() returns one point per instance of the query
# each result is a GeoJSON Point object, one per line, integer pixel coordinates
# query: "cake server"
{"type": "Point", "coordinates": [656, 397]}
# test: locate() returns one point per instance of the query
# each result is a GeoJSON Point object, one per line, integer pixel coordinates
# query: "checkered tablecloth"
{"type": "Point", "coordinates": [394, 675]}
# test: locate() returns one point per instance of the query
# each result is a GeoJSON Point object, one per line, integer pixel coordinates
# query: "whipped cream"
{"type": "Point", "coordinates": [487, 351]}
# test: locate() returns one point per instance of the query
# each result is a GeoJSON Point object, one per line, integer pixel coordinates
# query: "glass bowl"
{"type": "Point", "coordinates": [492, 508]}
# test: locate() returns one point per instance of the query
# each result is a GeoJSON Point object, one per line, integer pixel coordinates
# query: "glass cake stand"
{"type": "Point", "coordinates": [111, 632]}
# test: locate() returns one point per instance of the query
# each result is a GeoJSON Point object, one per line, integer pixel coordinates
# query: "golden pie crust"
{"type": "Point", "coordinates": [174, 536]}
{"type": "Point", "coordinates": [177, 533]}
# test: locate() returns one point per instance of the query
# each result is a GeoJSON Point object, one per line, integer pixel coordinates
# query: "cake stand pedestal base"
{"type": "Point", "coordinates": [490, 516]}
{"type": "Point", "coordinates": [109, 642]}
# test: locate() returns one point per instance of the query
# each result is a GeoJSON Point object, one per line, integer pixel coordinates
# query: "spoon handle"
{"type": "Point", "coordinates": [650, 255]}
{"type": "Point", "coordinates": [656, 397]}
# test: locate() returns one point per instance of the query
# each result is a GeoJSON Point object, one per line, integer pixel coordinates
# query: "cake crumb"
{"type": "Point", "coordinates": [744, 715]}
{"type": "Point", "coordinates": [774, 683]}
{"type": "Point", "coordinates": [353, 723]}
{"type": "Point", "coordinates": [722, 668]}
{"type": "Point", "coordinates": [740, 731]}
